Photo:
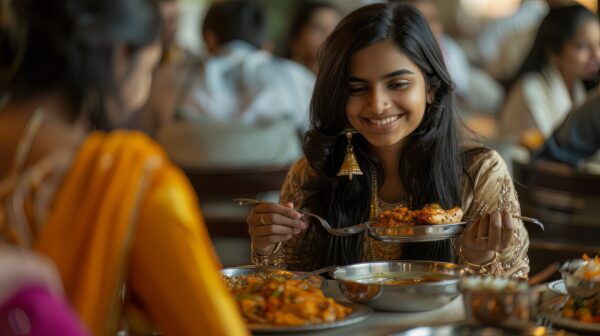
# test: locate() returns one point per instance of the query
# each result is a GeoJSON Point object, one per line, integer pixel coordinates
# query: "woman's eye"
{"type": "Point", "coordinates": [399, 85]}
{"type": "Point", "coordinates": [357, 90]}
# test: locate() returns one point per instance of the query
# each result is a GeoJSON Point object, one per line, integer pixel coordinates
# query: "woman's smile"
{"type": "Point", "coordinates": [384, 123]}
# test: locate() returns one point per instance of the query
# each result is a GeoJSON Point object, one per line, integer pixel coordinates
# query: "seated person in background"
{"type": "Point", "coordinates": [477, 91]}
{"type": "Point", "coordinates": [566, 50]}
{"type": "Point", "coordinates": [578, 138]}
{"type": "Point", "coordinates": [31, 297]}
{"type": "Point", "coordinates": [312, 22]}
{"type": "Point", "coordinates": [200, 110]}
{"type": "Point", "coordinates": [108, 208]}
{"type": "Point", "coordinates": [170, 12]}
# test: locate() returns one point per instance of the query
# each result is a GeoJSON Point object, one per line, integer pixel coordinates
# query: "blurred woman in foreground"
{"type": "Point", "coordinates": [108, 208]}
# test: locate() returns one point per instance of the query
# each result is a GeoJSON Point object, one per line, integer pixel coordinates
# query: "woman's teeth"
{"type": "Point", "coordinates": [382, 122]}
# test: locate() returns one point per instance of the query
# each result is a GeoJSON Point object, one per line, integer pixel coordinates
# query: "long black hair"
{"type": "Point", "coordinates": [559, 26]}
{"type": "Point", "coordinates": [430, 165]}
{"type": "Point", "coordinates": [69, 45]}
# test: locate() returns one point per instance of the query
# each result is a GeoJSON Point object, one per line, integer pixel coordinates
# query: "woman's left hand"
{"type": "Point", "coordinates": [491, 233]}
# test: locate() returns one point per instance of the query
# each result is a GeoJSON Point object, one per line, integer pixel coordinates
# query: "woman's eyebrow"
{"type": "Point", "coordinates": [389, 75]}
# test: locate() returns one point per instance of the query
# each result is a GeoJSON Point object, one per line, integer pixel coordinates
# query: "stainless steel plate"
{"type": "Point", "coordinates": [359, 313]}
{"type": "Point", "coordinates": [552, 309]}
{"type": "Point", "coordinates": [477, 330]}
{"type": "Point", "coordinates": [316, 280]}
{"type": "Point", "coordinates": [416, 233]}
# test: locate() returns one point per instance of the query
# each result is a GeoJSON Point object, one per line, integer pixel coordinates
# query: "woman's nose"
{"type": "Point", "coordinates": [380, 102]}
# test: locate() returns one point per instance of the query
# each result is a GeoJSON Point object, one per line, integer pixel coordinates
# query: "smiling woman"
{"type": "Point", "coordinates": [387, 92]}
{"type": "Point", "coordinates": [382, 75]}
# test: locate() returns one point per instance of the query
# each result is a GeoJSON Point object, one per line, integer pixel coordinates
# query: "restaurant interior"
{"type": "Point", "coordinates": [299, 167]}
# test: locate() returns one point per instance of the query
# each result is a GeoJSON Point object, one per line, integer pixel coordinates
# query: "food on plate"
{"type": "Point", "coordinates": [434, 214]}
{"type": "Point", "coordinates": [584, 310]}
{"type": "Point", "coordinates": [590, 269]}
{"type": "Point", "coordinates": [403, 278]}
{"type": "Point", "coordinates": [430, 214]}
{"type": "Point", "coordinates": [285, 302]}
{"type": "Point", "coordinates": [238, 282]}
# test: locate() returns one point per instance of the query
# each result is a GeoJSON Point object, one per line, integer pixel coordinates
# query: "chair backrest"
{"type": "Point", "coordinates": [566, 201]}
{"type": "Point", "coordinates": [216, 189]}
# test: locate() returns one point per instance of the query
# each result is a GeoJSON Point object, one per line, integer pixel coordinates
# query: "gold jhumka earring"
{"type": "Point", "coordinates": [350, 165]}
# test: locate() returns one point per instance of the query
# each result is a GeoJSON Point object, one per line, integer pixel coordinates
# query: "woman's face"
{"type": "Point", "coordinates": [580, 57]}
{"type": "Point", "coordinates": [134, 78]}
{"type": "Point", "coordinates": [322, 22]}
{"type": "Point", "coordinates": [388, 95]}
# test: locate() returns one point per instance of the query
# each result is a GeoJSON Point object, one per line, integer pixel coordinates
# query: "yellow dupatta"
{"type": "Point", "coordinates": [88, 231]}
{"type": "Point", "coordinates": [92, 234]}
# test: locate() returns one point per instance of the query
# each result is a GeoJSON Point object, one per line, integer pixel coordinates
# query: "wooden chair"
{"type": "Point", "coordinates": [567, 202]}
{"type": "Point", "coordinates": [216, 189]}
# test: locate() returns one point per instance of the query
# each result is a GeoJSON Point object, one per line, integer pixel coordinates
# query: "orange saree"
{"type": "Point", "coordinates": [126, 215]}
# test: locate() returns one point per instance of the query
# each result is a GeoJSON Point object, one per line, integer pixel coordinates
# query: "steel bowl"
{"type": "Point", "coordinates": [576, 286]}
{"type": "Point", "coordinates": [499, 301]}
{"type": "Point", "coordinates": [362, 283]}
{"type": "Point", "coordinates": [231, 272]}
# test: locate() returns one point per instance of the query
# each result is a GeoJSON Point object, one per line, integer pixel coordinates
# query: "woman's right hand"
{"type": "Point", "coordinates": [271, 223]}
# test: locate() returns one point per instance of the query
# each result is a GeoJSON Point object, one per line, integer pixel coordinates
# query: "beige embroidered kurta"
{"type": "Point", "coordinates": [493, 189]}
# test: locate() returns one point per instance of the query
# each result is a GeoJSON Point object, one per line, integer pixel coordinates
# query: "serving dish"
{"type": "Point", "coordinates": [575, 284]}
{"type": "Point", "coordinates": [558, 286]}
{"type": "Point", "coordinates": [366, 283]}
{"type": "Point", "coordinates": [415, 233]}
{"type": "Point", "coordinates": [552, 311]}
{"type": "Point", "coordinates": [240, 271]}
{"type": "Point", "coordinates": [359, 313]}
{"type": "Point", "coordinates": [499, 301]}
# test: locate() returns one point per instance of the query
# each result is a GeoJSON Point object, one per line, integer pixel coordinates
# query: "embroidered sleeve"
{"type": "Point", "coordinates": [494, 189]}
{"type": "Point", "coordinates": [283, 254]}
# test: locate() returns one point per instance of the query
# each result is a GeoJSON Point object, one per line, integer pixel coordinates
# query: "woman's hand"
{"type": "Point", "coordinates": [20, 267]}
{"type": "Point", "coordinates": [270, 223]}
{"type": "Point", "coordinates": [491, 233]}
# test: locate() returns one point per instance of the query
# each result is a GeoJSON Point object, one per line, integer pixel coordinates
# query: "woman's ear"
{"type": "Point", "coordinates": [430, 96]}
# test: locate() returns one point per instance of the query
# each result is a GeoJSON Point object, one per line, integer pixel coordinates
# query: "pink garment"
{"type": "Point", "coordinates": [33, 311]}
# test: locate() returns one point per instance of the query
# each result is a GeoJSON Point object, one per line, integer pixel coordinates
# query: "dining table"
{"type": "Point", "coordinates": [380, 323]}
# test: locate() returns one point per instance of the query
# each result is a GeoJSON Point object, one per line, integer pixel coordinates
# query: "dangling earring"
{"type": "Point", "coordinates": [350, 165]}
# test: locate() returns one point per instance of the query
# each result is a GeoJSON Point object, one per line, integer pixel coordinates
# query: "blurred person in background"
{"type": "Point", "coordinates": [108, 208]}
{"type": "Point", "coordinates": [32, 298]}
{"type": "Point", "coordinates": [312, 22]}
{"type": "Point", "coordinates": [240, 105]}
{"type": "Point", "coordinates": [477, 91]}
{"type": "Point", "coordinates": [577, 138]}
{"type": "Point", "coordinates": [170, 14]}
{"type": "Point", "coordinates": [566, 51]}
{"type": "Point", "coordinates": [503, 44]}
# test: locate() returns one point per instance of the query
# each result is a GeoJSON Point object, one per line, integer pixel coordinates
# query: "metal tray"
{"type": "Point", "coordinates": [478, 330]}
{"type": "Point", "coordinates": [416, 233]}
{"type": "Point", "coordinates": [359, 313]}
{"type": "Point", "coordinates": [315, 280]}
